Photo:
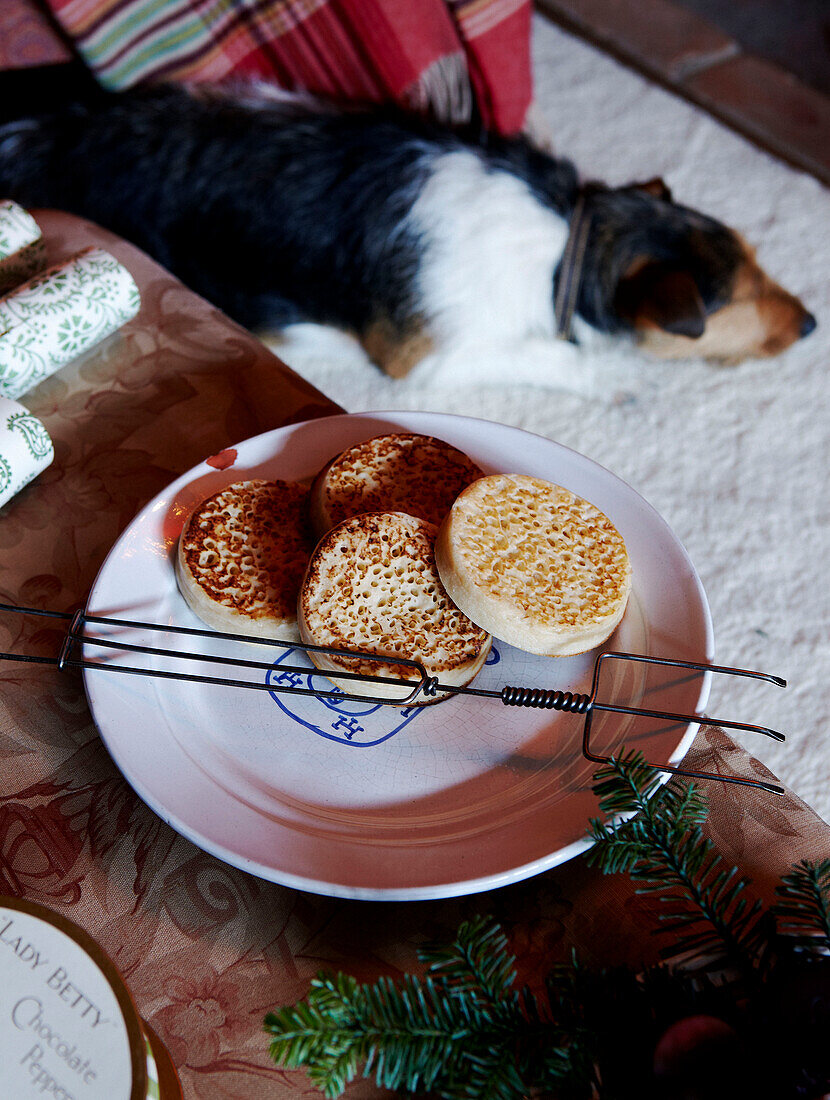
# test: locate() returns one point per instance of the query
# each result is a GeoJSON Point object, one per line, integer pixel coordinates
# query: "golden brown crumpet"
{"type": "Point", "coordinates": [372, 585]}
{"type": "Point", "coordinates": [401, 472]}
{"type": "Point", "coordinates": [242, 555]}
{"type": "Point", "coordinates": [534, 564]}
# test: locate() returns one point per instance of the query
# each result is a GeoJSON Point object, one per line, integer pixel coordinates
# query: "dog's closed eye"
{"type": "Point", "coordinates": [657, 296]}
{"type": "Point", "coordinates": [755, 318]}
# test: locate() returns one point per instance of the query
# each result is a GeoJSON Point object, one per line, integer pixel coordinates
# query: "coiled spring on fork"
{"type": "Point", "coordinates": [545, 699]}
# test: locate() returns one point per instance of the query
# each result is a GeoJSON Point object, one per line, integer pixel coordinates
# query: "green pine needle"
{"type": "Point", "coordinates": [463, 1031]}
{"type": "Point", "coordinates": [660, 843]}
{"type": "Point", "coordinates": [478, 959]}
{"type": "Point", "coordinates": [803, 909]}
{"type": "Point", "coordinates": [406, 1036]}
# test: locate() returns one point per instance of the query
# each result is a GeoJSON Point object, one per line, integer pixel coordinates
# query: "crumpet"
{"type": "Point", "coordinates": [241, 557]}
{"type": "Point", "coordinates": [533, 564]}
{"type": "Point", "coordinates": [372, 585]}
{"type": "Point", "coordinates": [400, 472]}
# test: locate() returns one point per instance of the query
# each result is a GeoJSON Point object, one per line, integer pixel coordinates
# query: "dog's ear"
{"type": "Point", "coordinates": [656, 187]}
{"type": "Point", "coordinates": [661, 296]}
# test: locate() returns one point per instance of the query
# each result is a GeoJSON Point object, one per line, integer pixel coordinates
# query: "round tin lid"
{"type": "Point", "coordinates": [68, 1024]}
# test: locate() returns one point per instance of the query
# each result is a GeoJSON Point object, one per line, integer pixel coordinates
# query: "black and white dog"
{"type": "Point", "coordinates": [414, 237]}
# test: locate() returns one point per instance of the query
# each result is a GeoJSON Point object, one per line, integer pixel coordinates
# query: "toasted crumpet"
{"type": "Point", "coordinates": [400, 472]}
{"type": "Point", "coordinates": [372, 585]}
{"type": "Point", "coordinates": [534, 564]}
{"type": "Point", "coordinates": [241, 557]}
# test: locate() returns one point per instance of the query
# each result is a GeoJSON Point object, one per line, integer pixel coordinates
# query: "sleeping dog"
{"type": "Point", "coordinates": [414, 237]}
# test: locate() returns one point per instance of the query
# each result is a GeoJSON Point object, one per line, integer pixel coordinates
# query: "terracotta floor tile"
{"type": "Point", "coordinates": [689, 55]}
{"type": "Point", "coordinates": [792, 34]}
{"type": "Point", "coordinates": [770, 105]}
{"type": "Point", "coordinates": [655, 34]}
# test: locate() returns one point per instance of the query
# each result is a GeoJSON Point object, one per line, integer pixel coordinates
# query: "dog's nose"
{"type": "Point", "coordinates": [808, 323]}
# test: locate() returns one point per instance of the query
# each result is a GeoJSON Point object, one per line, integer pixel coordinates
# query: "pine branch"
{"type": "Point", "coordinates": [478, 959]}
{"type": "Point", "coordinates": [463, 1032]}
{"type": "Point", "coordinates": [803, 911]}
{"type": "Point", "coordinates": [663, 848]}
{"type": "Point", "coordinates": [408, 1036]}
{"type": "Point", "coordinates": [460, 1032]}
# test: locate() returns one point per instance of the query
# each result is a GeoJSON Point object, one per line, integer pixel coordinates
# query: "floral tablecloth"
{"type": "Point", "coordinates": [207, 949]}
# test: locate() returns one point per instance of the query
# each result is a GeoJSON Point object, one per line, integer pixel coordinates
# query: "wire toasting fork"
{"type": "Point", "coordinates": [418, 687]}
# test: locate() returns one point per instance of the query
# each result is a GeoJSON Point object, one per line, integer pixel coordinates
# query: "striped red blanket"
{"type": "Point", "coordinates": [451, 56]}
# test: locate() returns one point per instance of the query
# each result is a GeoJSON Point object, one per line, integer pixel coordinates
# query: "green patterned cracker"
{"type": "Point", "coordinates": [22, 252]}
{"type": "Point", "coordinates": [59, 315]}
{"type": "Point", "coordinates": [25, 448]}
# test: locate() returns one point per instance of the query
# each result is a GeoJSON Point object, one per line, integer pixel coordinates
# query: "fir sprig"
{"type": "Point", "coordinates": [461, 1031]}
{"type": "Point", "coordinates": [477, 959]}
{"type": "Point", "coordinates": [406, 1034]}
{"type": "Point", "coordinates": [464, 1032]}
{"type": "Point", "coordinates": [803, 909]}
{"type": "Point", "coordinates": [662, 847]}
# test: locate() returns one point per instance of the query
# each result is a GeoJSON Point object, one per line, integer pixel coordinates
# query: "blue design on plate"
{"type": "Point", "coordinates": [347, 721]}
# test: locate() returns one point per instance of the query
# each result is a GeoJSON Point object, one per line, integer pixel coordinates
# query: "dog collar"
{"type": "Point", "coordinates": [570, 270]}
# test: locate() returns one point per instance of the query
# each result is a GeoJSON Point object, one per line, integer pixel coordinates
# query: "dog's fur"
{"type": "Point", "coordinates": [281, 209]}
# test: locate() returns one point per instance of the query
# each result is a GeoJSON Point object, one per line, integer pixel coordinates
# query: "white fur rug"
{"type": "Point", "coordinates": [735, 459]}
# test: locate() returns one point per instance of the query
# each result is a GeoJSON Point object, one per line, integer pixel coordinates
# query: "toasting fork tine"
{"type": "Point", "coordinates": [418, 687]}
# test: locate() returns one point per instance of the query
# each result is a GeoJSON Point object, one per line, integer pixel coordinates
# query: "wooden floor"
{"type": "Point", "coordinates": [761, 79]}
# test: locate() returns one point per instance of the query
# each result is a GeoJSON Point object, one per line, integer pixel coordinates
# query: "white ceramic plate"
{"type": "Point", "coordinates": [377, 802]}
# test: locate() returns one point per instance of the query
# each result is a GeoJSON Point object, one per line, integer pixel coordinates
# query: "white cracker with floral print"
{"type": "Point", "coordinates": [25, 448]}
{"type": "Point", "coordinates": [22, 252]}
{"type": "Point", "coordinates": [59, 315]}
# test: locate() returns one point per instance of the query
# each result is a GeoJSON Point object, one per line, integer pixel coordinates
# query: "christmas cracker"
{"type": "Point", "coordinates": [60, 314]}
{"type": "Point", "coordinates": [21, 246]}
{"type": "Point", "coordinates": [25, 448]}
